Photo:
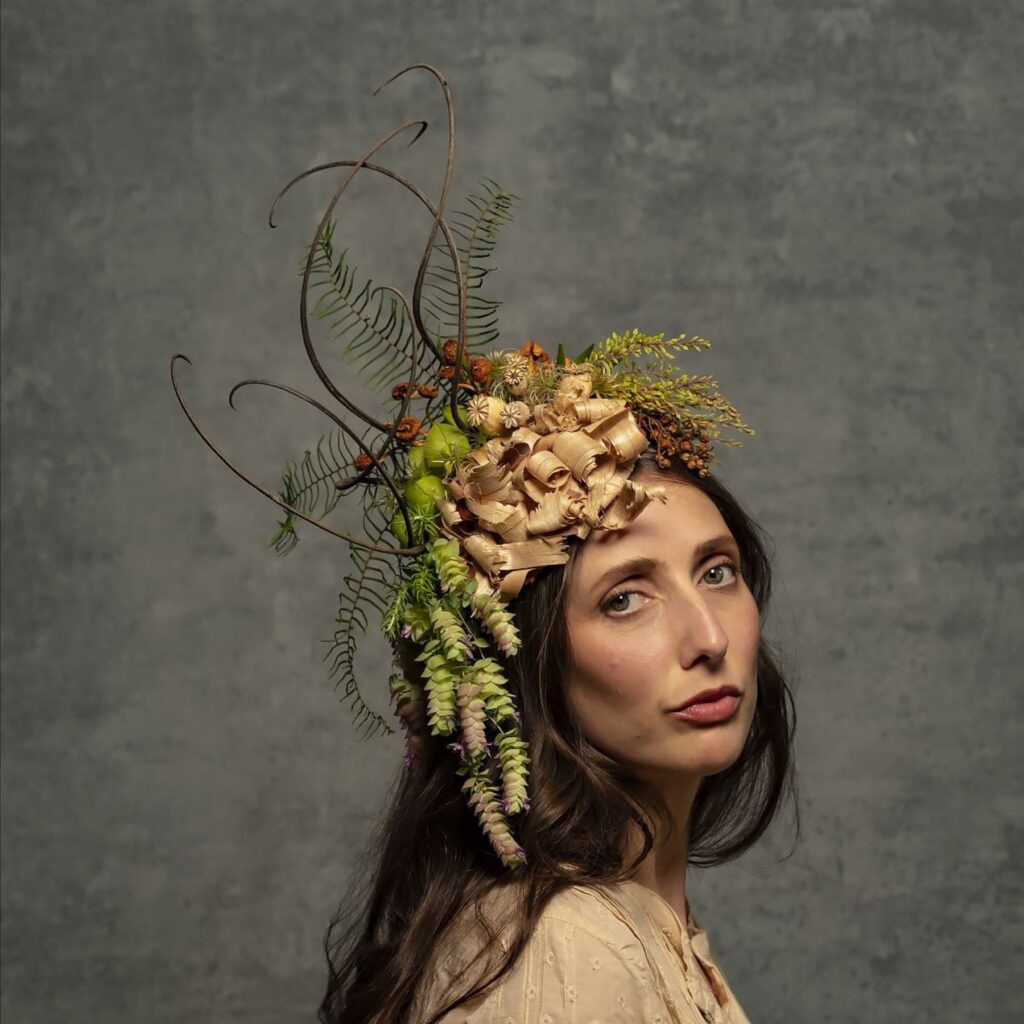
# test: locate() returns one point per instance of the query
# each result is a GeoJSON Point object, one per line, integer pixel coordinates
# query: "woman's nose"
{"type": "Point", "coordinates": [701, 634]}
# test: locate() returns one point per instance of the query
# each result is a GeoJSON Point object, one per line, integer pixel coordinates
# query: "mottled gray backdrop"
{"type": "Point", "coordinates": [830, 192]}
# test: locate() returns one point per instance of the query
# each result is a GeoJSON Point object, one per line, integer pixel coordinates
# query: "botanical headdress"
{"type": "Point", "coordinates": [488, 465]}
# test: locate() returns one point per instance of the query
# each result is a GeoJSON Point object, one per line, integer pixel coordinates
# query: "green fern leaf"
{"type": "Point", "coordinates": [476, 234]}
{"type": "Point", "coordinates": [309, 485]}
{"type": "Point", "coordinates": [374, 330]}
{"type": "Point", "coordinates": [371, 587]}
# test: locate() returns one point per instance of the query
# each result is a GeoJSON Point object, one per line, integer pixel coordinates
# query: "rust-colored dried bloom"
{"type": "Point", "coordinates": [534, 353]}
{"type": "Point", "coordinates": [408, 428]}
{"type": "Point", "coordinates": [480, 370]}
{"type": "Point", "coordinates": [363, 461]}
{"type": "Point", "coordinates": [399, 391]}
{"type": "Point", "coordinates": [446, 372]}
{"type": "Point", "coordinates": [448, 350]}
{"type": "Point", "coordinates": [427, 391]}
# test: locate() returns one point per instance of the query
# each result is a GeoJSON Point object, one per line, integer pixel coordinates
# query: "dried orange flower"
{"type": "Point", "coordinates": [480, 370]}
{"type": "Point", "coordinates": [448, 350]}
{"type": "Point", "coordinates": [428, 391]}
{"type": "Point", "coordinates": [408, 428]}
{"type": "Point", "coordinates": [363, 461]}
{"type": "Point", "coordinates": [534, 353]}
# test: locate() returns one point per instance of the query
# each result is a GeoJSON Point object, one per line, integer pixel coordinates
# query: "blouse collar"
{"type": "Point", "coordinates": [668, 920]}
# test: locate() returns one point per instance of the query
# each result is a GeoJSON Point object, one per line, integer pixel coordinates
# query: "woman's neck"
{"type": "Point", "coordinates": [663, 870]}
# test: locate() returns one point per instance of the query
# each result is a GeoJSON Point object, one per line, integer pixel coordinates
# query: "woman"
{"type": "Point", "coordinates": [625, 794]}
{"type": "Point", "coordinates": [588, 702]}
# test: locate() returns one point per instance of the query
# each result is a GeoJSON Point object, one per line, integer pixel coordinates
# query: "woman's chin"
{"type": "Point", "coordinates": [709, 757]}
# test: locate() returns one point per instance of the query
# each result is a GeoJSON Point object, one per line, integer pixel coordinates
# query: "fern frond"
{"type": "Point", "coordinates": [476, 233]}
{"type": "Point", "coordinates": [374, 330]}
{"type": "Point", "coordinates": [371, 587]}
{"type": "Point", "coordinates": [309, 485]}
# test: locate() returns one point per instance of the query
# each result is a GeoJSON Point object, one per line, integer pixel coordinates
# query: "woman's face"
{"type": "Point", "coordinates": [646, 638]}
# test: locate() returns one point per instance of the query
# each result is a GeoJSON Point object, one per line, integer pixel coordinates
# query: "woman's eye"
{"type": "Point", "coordinates": [615, 605]}
{"type": "Point", "coordinates": [618, 605]}
{"type": "Point", "coordinates": [730, 567]}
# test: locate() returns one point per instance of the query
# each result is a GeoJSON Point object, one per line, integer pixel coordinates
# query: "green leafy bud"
{"type": "Point", "coordinates": [464, 423]}
{"type": "Point", "coordinates": [399, 530]}
{"type": "Point", "coordinates": [420, 494]}
{"type": "Point", "coordinates": [416, 466]}
{"type": "Point", "coordinates": [444, 445]}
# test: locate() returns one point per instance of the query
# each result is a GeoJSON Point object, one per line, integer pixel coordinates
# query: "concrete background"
{"type": "Point", "coordinates": [830, 192]}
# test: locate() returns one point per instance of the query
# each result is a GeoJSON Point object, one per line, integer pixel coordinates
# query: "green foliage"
{"type": "Point", "coordinates": [371, 586]}
{"type": "Point", "coordinates": [309, 485]}
{"type": "Point", "coordinates": [483, 797]}
{"type": "Point", "coordinates": [487, 674]}
{"type": "Point", "coordinates": [498, 619]}
{"type": "Point", "coordinates": [626, 349]}
{"type": "Point", "coordinates": [372, 325]}
{"type": "Point", "coordinates": [512, 756]}
{"type": "Point", "coordinates": [641, 369]}
{"type": "Point", "coordinates": [450, 566]}
{"type": "Point", "coordinates": [441, 676]}
{"type": "Point", "coordinates": [476, 233]}
{"type": "Point", "coordinates": [451, 632]}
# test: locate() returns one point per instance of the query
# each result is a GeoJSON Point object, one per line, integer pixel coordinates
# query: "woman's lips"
{"type": "Point", "coordinates": [709, 712]}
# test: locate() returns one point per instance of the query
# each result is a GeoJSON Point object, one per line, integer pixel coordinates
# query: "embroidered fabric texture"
{"type": "Point", "coordinates": [614, 955]}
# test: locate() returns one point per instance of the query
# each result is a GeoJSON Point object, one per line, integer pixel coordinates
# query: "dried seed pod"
{"type": "Point", "coordinates": [408, 428]}
{"type": "Point", "coordinates": [484, 412]}
{"type": "Point", "coordinates": [448, 350]}
{"type": "Point", "coordinates": [480, 370]}
{"type": "Point", "coordinates": [514, 414]}
{"type": "Point", "coordinates": [535, 353]}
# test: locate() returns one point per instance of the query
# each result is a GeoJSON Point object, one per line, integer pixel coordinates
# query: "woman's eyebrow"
{"type": "Point", "coordinates": [637, 566]}
{"type": "Point", "coordinates": [631, 567]}
{"type": "Point", "coordinates": [724, 540]}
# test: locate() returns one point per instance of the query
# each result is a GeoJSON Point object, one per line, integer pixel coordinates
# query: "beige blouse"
{"type": "Point", "coordinates": [616, 954]}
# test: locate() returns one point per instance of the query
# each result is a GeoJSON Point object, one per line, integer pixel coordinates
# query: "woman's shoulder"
{"type": "Point", "coordinates": [602, 911]}
{"type": "Point", "coordinates": [582, 949]}
{"type": "Point", "coordinates": [608, 909]}
{"type": "Point", "coordinates": [579, 920]}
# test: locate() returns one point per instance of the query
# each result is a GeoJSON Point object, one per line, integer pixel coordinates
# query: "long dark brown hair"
{"type": "Point", "coordinates": [429, 859]}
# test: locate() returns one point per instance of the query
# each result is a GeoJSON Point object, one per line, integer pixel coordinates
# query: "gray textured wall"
{"type": "Point", "coordinates": [829, 192]}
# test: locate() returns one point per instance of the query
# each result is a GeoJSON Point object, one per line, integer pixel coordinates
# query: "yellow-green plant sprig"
{"type": "Point", "coordinates": [441, 678]}
{"type": "Point", "coordinates": [640, 368]}
{"type": "Point", "coordinates": [485, 801]}
{"type": "Point", "coordinates": [514, 761]}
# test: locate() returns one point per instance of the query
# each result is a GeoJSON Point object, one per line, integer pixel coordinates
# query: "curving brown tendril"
{"type": "Point", "coordinates": [376, 458]}
{"type": "Point", "coordinates": [276, 499]}
{"type": "Point", "coordinates": [307, 339]}
{"type": "Point", "coordinates": [419, 334]}
{"type": "Point", "coordinates": [453, 252]}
